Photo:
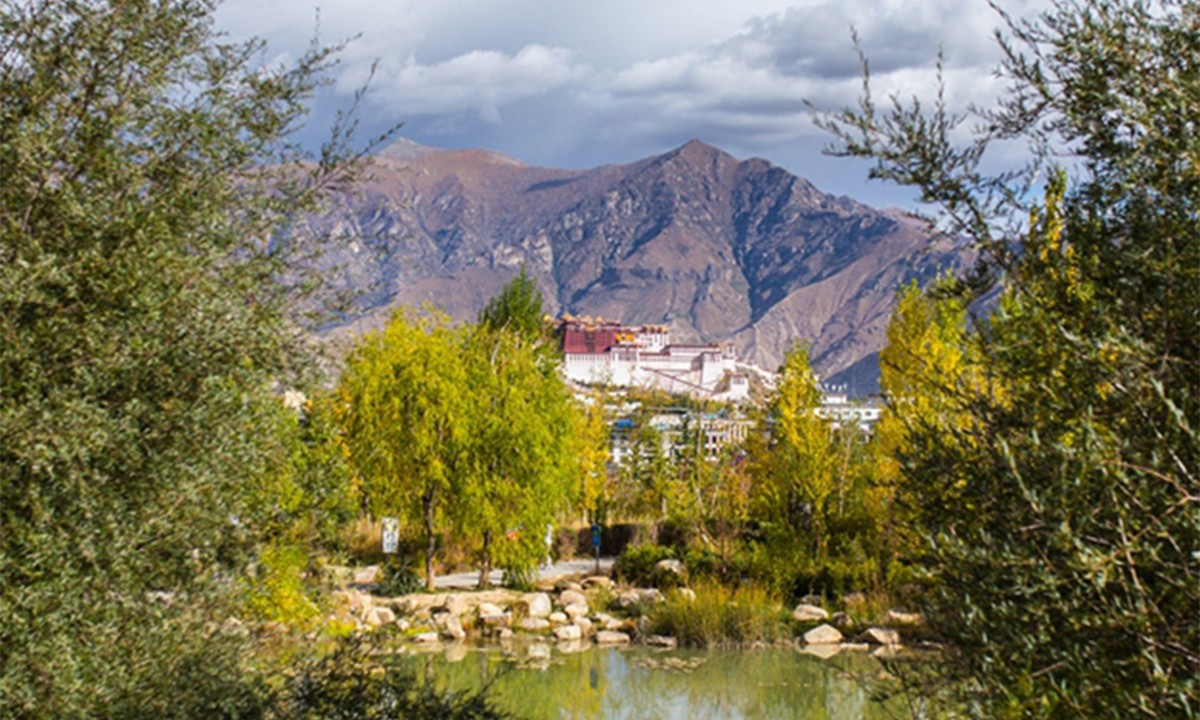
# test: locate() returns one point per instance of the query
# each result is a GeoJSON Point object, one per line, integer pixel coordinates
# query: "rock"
{"type": "Point", "coordinates": [822, 635]}
{"type": "Point", "coordinates": [488, 608]}
{"type": "Point", "coordinates": [613, 624]}
{"type": "Point", "coordinates": [368, 575]}
{"type": "Point", "coordinates": [662, 641]}
{"type": "Point", "coordinates": [425, 638]}
{"type": "Point", "coordinates": [456, 605]}
{"type": "Point", "coordinates": [687, 594]}
{"type": "Point", "coordinates": [536, 605]}
{"type": "Point", "coordinates": [454, 628]}
{"type": "Point", "coordinates": [642, 626]}
{"type": "Point", "coordinates": [899, 617]}
{"type": "Point", "coordinates": [611, 637]}
{"type": "Point", "coordinates": [628, 599]}
{"type": "Point", "coordinates": [812, 600]}
{"type": "Point", "coordinates": [538, 651]}
{"type": "Point", "coordinates": [567, 585]}
{"type": "Point", "coordinates": [572, 597]}
{"type": "Point", "coordinates": [535, 624]}
{"type": "Point", "coordinates": [598, 581]}
{"type": "Point", "coordinates": [650, 595]}
{"type": "Point", "coordinates": [854, 647]}
{"type": "Point", "coordinates": [455, 652]}
{"type": "Point", "coordinates": [558, 618]}
{"type": "Point", "coordinates": [505, 634]}
{"type": "Point", "coordinates": [880, 636]}
{"type": "Point", "coordinates": [669, 565]}
{"type": "Point", "coordinates": [854, 600]}
{"type": "Point", "coordinates": [808, 613]}
{"type": "Point", "coordinates": [576, 611]}
{"type": "Point", "coordinates": [841, 620]}
{"type": "Point", "coordinates": [568, 632]}
{"type": "Point", "coordinates": [584, 625]}
{"type": "Point", "coordinates": [379, 616]}
{"type": "Point", "coordinates": [403, 625]}
{"type": "Point", "coordinates": [502, 620]}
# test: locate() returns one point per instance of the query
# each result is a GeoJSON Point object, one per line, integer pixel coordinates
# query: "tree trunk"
{"type": "Point", "coordinates": [485, 567]}
{"type": "Point", "coordinates": [430, 538]}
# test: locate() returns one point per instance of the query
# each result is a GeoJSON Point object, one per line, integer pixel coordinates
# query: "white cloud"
{"type": "Point", "coordinates": [480, 80]}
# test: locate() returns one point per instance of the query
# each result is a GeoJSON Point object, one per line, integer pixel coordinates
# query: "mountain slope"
{"type": "Point", "coordinates": [717, 248]}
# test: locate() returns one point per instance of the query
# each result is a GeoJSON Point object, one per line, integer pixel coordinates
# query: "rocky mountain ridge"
{"type": "Point", "coordinates": [718, 249]}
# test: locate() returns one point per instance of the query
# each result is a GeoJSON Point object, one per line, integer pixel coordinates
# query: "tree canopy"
{"type": "Point", "coordinates": [146, 181]}
{"type": "Point", "coordinates": [1068, 587]}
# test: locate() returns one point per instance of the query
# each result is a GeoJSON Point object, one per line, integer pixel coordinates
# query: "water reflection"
{"type": "Point", "coordinates": [538, 682]}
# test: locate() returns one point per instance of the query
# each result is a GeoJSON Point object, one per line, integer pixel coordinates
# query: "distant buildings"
{"type": "Point", "coordinates": [609, 353]}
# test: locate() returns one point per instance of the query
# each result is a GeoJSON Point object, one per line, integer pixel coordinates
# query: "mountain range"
{"type": "Point", "coordinates": [718, 249]}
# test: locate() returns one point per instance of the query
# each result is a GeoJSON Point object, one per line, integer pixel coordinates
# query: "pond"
{"type": "Point", "coordinates": [538, 682]}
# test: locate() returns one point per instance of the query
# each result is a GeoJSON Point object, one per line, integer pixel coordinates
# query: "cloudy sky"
{"type": "Point", "coordinates": [565, 83]}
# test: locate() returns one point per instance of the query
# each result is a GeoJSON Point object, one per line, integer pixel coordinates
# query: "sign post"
{"type": "Point", "coordinates": [391, 535]}
{"type": "Point", "coordinates": [596, 545]}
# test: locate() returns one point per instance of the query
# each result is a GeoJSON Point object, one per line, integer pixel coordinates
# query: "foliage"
{"type": "Point", "coordinates": [636, 566]}
{"type": "Point", "coordinates": [406, 419]}
{"type": "Point", "coordinates": [145, 210]}
{"type": "Point", "coordinates": [1069, 588]}
{"type": "Point", "coordinates": [721, 615]}
{"type": "Point", "coordinates": [467, 429]}
{"type": "Point", "coordinates": [517, 310]}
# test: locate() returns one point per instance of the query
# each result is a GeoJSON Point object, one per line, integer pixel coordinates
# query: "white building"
{"type": "Point", "coordinates": [609, 353]}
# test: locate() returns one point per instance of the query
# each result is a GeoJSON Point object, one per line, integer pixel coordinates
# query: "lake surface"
{"type": "Point", "coordinates": [537, 681]}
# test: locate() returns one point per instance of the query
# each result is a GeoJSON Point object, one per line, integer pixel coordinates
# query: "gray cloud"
{"type": "Point", "coordinates": [577, 84]}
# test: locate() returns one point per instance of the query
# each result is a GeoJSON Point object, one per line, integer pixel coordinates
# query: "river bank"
{"type": "Point", "coordinates": [577, 610]}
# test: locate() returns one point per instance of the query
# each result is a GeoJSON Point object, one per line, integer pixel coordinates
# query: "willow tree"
{"type": "Point", "coordinates": [522, 453]}
{"type": "Point", "coordinates": [407, 415]}
{"type": "Point", "coordinates": [1071, 588]}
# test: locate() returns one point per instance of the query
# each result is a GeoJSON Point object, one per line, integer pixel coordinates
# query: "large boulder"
{"type": "Point", "coordinates": [823, 635]}
{"type": "Point", "coordinates": [380, 616]}
{"type": "Point", "coordinates": [584, 625]}
{"type": "Point", "coordinates": [809, 613]}
{"type": "Point", "coordinates": [535, 624]}
{"type": "Point", "coordinates": [536, 605]}
{"type": "Point", "coordinates": [880, 636]}
{"type": "Point", "coordinates": [611, 637]}
{"type": "Point", "coordinates": [455, 605]}
{"type": "Point", "coordinates": [576, 611]}
{"type": "Point", "coordinates": [572, 597]}
{"type": "Point", "coordinates": [899, 617]}
{"type": "Point", "coordinates": [568, 632]}
{"type": "Point", "coordinates": [454, 628]}
{"type": "Point", "coordinates": [558, 618]}
{"type": "Point", "coordinates": [487, 608]}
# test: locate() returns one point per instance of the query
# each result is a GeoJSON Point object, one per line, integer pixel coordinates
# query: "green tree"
{"type": "Point", "coordinates": [522, 450]}
{"type": "Point", "coordinates": [407, 418]}
{"type": "Point", "coordinates": [796, 473]}
{"type": "Point", "coordinates": [517, 309]}
{"type": "Point", "coordinates": [144, 322]}
{"type": "Point", "coordinates": [1071, 588]}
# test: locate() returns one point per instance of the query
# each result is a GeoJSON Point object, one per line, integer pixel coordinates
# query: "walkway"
{"type": "Point", "coordinates": [469, 580]}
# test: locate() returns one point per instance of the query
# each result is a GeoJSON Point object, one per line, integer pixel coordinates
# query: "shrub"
{"type": "Point", "coordinates": [636, 566]}
{"type": "Point", "coordinates": [721, 615]}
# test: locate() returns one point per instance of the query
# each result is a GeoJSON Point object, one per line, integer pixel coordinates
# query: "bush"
{"type": "Point", "coordinates": [636, 566]}
{"type": "Point", "coordinates": [721, 615]}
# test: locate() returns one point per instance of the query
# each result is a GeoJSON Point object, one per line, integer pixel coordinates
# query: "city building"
{"type": "Point", "coordinates": [608, 353]}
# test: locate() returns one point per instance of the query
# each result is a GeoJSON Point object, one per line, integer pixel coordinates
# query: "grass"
{"type": "Point", "coordinates": [721, 615]}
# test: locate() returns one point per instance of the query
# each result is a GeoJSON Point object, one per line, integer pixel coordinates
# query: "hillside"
{"type": "Point", "coordinates": [719, 249]}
